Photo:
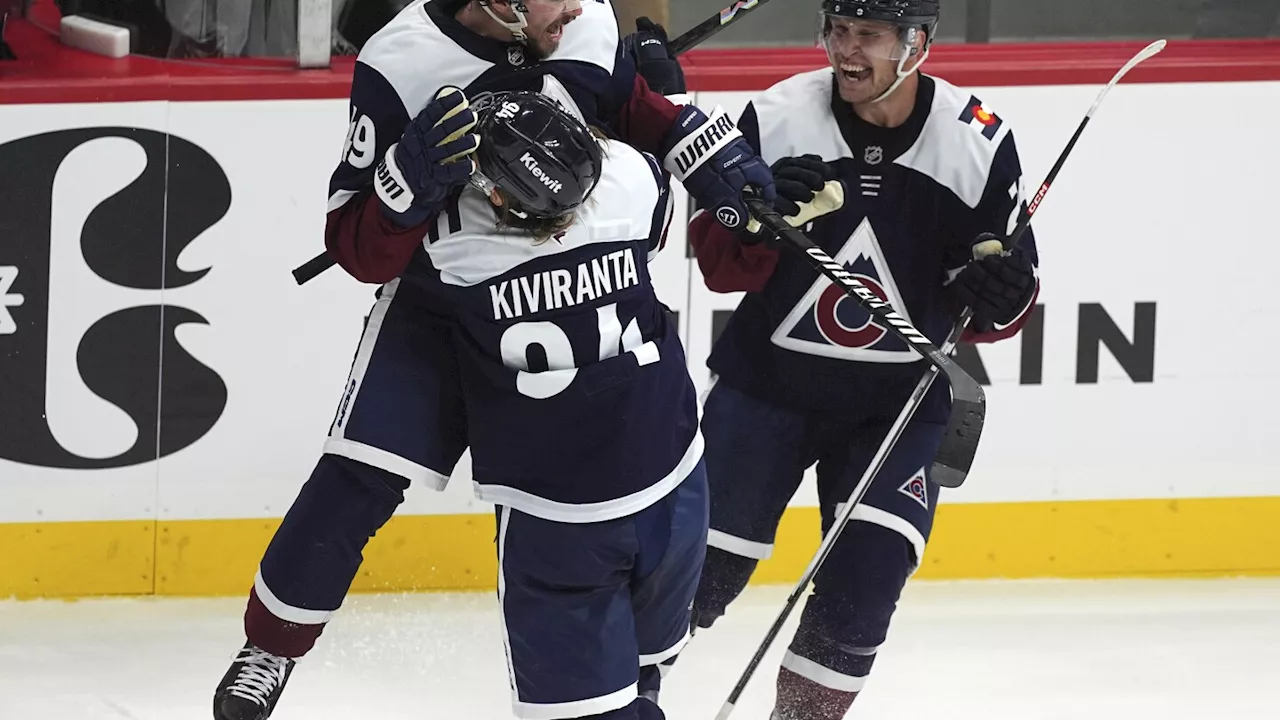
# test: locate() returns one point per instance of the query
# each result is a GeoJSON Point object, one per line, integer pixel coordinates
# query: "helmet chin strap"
{"type": "Point", "coordinates": [903, 74]}
{"type": "Point", "coordinates": [516, 28]}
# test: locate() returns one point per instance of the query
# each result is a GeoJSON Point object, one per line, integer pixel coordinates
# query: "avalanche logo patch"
{"type": "Point", "coordinates": [829, 323]}
{"type": "Point", "coordinates": [977, 116]}
{"type": "Point", "coordinates": [917, 489]}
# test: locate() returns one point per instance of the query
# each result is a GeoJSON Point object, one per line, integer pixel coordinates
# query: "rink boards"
{"type": "Point", "coordinates": [1128, 431]}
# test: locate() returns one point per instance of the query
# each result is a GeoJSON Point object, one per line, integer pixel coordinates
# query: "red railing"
{"type": "Point", "coordinates": [48, 72]}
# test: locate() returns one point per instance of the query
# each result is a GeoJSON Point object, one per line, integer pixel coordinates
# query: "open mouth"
{"type": "Point", "coordinates": [854, 72]}
{"type": "Point", "coordinates": [555, 32]}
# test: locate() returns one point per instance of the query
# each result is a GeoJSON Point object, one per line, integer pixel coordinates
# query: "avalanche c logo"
{"type": "Point", "coordinates": [827, 322]}
{"type": "Point", "coordinates": [917, 488]}
{"type": "Point", "coordinates": [91, 227]}
{"type": "Point", "coordinates": [835, 308]}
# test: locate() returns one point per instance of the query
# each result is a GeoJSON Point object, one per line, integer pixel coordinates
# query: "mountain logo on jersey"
{"type": "Point", "coordinates": [829, 323]}
{"type": "Point", "coordinates": [980, 118]}
{"type": "Point", "coordinates": [917, 488]}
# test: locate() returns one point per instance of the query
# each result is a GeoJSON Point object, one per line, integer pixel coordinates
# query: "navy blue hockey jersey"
{"type": "Point", "coordinates": [424, 48]}
{"type": "Point", "coordinates": [916, 197]}
{"type": "Point", "coordinates": [579, 403]}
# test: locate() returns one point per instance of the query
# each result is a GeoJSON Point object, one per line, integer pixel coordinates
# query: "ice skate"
{"type": "Point", "coordinates": [252, 685]}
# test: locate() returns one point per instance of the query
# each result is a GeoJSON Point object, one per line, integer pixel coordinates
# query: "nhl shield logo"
{"type": "Point", "coordinates": [515, 55]}
{"type": "Point", "coordinates": [873, 155]}
{"type": "Point", "coordinates": [829, 323]}
{"type": "Point", "coordinates": [917, 489]}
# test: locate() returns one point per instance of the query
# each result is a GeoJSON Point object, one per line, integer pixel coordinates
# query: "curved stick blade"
{"type": "Point", "coordinates": [1149, 51]}
{"type": "Point", "coordinates": [1144, 54]}
{"type": "Point", "coordinates": [964, 430]}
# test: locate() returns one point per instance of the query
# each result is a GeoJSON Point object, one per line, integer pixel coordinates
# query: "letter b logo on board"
{"type": "Point", "coordinates": [91, 372]}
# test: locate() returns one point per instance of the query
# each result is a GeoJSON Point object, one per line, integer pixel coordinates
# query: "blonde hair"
{"type": "Point", "coordinates": [543, 229]}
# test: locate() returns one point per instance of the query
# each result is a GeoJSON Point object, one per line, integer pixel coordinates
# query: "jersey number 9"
{"type": "Point", "coordinates": [361, 147]}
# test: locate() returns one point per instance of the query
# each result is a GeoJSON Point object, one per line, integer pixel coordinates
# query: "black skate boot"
{"type": "Point", "coordinates": [252, 685]}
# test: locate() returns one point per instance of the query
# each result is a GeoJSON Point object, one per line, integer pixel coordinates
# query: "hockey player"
{"type": "Point", "coordinates": [802, 376]}
{"type": "Point", "coordinates": [582, 417]}
{"type": "Point", "coordinates": [409, 148]}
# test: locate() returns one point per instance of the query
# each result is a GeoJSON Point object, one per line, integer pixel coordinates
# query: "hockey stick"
{"type": "Point", "coordinates": [968, 406]}
{"type": "Point", "coordinates": [689, 40]}
{"type": "Point", "coordinates": [708, 28]}
{"type": "Point", "coordinates": [1024, 221]}
{"type": "Point", "coordinates": [909, 410]}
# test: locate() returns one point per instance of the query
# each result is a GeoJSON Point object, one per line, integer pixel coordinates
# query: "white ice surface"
{"type": "Point", "coordinates": [1122, 650]}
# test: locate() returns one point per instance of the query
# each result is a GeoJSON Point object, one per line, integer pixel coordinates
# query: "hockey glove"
{"type": "Point", "coordinates": [431, 160]}
{"type": "Point", "coordinates": [715, 163]}
{"type": "Point", "coordinates": [808, 188]}
{"type": "Point", "coordinates": [997, 285]}
{"type": "Point", "coordinates": [648, 48]}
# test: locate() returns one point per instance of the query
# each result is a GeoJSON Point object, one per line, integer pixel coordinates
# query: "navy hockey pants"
{"type": "Point", "coordinates": [590, 610]}
{"type": "Point", "coordinates": [401, 420]}
{"type": "Point", "coordinates": [756, 457]}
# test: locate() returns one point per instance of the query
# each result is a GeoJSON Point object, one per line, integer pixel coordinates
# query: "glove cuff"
{"type": "Point", "coordinates": [696, 147]}
{"type": "Point", "coordinates": [390, 184]}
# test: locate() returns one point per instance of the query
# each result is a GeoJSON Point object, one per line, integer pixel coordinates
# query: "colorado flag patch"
{"type": "Point", "coordinates": [980, 118]}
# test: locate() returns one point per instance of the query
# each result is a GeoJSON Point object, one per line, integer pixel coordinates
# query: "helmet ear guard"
{"type": "Point", "coordinates": [910, 41]}
{"type": "Point", "coordinates": [518, 27]}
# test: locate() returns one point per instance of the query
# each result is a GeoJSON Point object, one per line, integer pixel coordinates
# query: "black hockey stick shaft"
{"type": "Point", "coordinates": [832, 535]}
{"type": "Point", "coordinates": [968, 406]}
{"type": "Point", "coordinates": [829, 540]}
{"type": "Point", "coordinates": [689, 40]}
{"type": "Point", "coordinates": [313, 267]}
{"type": "Point", "coordinates": [1024, 219]}
{"type": "Point", "coordinates": [1024, 222]}
{"type": "Point", "coordinates": [710, 27]}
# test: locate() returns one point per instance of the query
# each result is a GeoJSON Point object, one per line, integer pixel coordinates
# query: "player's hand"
{"type": "Point", "coordinates": [716, 164]}
{"type": "Point", "coordinates": [647, 46]}
{"type": "Point", "coordinates": [432, 159]}
{"type": "Point", "coordinates": [808, 188]}
{"type": "Point", "coordinates": [799, 180]}
{"type": "Point", "coordinates": [998, 285]}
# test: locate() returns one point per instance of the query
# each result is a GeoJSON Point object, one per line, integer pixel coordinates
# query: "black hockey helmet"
{"type": "Point", "coordinates": [544, 160]}
{"type": "Point", "coordinates": [922, 14]}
